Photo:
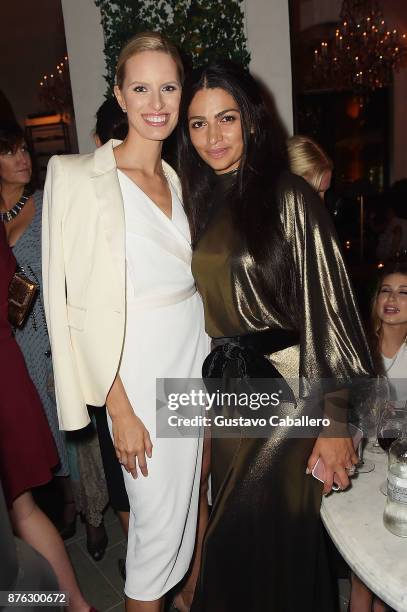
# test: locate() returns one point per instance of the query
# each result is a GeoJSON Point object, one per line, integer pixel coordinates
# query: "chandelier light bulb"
{"type": "Point", "coordinates": [364, 52]}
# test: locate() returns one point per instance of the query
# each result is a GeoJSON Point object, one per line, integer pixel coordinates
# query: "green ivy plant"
{"type": "Point", "coordinates": [205, 30]}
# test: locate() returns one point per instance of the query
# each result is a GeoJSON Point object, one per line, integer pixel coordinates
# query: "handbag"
{"type": "Point", "coordinates": [20, 298]}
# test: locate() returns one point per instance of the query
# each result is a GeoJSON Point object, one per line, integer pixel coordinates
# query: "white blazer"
{"type": "Point", "coordinates": [84, 272]}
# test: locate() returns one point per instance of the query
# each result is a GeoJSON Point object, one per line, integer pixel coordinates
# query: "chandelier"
{"type": "Point", "coordinates": [55, 89]}
{"type": "Point", "coordinates": [362, 54]}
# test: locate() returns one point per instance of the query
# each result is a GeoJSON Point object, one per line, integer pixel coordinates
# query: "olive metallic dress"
{"type": "Point", "coordinates": [264, 550]}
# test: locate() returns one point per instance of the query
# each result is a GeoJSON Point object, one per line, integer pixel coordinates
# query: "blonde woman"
{"type": "Point", "coordinates": [309, 160]}
{"type": "Point", "coordinates": [122, 310]}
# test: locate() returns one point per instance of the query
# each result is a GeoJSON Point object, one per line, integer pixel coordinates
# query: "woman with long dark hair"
{"type": "Point", "coordinates": [278, 305]}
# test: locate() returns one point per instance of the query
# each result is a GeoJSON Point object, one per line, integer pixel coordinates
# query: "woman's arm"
{"type": "Point", "coordinates": [71, 405]}
{"type": "Point", "coordinates": [333, 347]}
{"type": "Point", "coordinates": [131, 439]}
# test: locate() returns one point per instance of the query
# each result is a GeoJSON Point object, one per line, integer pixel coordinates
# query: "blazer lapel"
{"type": "Point", "coordinates": [109, 197]}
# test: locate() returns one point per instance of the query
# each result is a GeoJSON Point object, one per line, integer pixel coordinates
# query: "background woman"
{"type": "Point", "coordinates": [268, 266]}
{"type": "Point", "coordinates": [130, 312]}
{"type": "Point", "coordinates": [389, 322]}
{"type": "Point", "coordinates": [86, 491]}
{"type": "Point", "coordinates": [309, 160]}
{"type": "Point", "coordinates": [21, 208]}
{"type": "Point", "coordinates": [27, 449]}
{"type": "Point", "coordinates": [389, 350]}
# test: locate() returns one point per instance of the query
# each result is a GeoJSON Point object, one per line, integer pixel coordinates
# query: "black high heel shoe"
{"type": "Point", "coordinates": [96, 547]}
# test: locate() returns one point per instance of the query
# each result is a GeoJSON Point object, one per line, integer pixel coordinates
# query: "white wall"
{"type": "Point", "coordinates": [268, 40]}
{"type": "Point", "coordinates": [84, 41]}
{"type": "Point", "coordinates": [268, 34]}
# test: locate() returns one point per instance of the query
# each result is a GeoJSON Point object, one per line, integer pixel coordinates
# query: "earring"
{"type": "Point", "coordinates": [124, 110]}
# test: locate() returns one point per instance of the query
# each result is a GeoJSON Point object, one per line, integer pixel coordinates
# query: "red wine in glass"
{"type": "Point", "coordinates": [387, 438]}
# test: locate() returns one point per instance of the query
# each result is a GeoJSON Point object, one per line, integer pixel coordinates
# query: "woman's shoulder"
{"type": "Point", "coordinates": [77, 163]}
{"type": "Point", "coordinates": [297, 198]}
{"type": "Point", "coordinates": [294, 186]}
{"type": "Point", "coordinates": [403, 352]}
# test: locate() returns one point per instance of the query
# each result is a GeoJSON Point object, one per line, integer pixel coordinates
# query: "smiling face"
{"type": "Point", "coordinates": [215, 129]}
{"type": "Point", "coordinates": [150, 94]}
{"type": "Point", "coordinates": [15, 166]}
{"type": "Point", "coordinates": [391, 302]}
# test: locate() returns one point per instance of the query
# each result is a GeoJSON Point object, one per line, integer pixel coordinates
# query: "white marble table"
{"type": "Point", "coordinates": [354, 520]}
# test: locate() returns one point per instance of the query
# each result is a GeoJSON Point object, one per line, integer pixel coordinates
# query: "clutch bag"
{"type": "Point", "coordinates": [20, 298]}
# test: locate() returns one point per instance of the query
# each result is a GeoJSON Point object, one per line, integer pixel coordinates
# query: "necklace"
{"type": "Point", "coordinates": [12, 213]}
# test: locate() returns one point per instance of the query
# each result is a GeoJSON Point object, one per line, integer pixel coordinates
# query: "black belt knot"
{"type": "Point", "coordinates": [245, 357]}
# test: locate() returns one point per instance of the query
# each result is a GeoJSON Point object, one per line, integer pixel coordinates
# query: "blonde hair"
{"type": "Point", "coordinates": [308, 159]}
{"type": "Point", "coordinates": [146, 41]}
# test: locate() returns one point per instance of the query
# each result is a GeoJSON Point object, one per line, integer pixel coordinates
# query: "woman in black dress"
{"type": "Point", "coordinates": [278, 303]}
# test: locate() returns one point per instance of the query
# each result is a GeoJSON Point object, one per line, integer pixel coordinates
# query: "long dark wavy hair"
{"type": "Point", "coordinates": [394, 266]}
{"type": "Point", "coordinates": [255, 193]}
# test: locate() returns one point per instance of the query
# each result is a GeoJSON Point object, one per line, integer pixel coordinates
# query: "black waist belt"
{"type": "Point", "coordinates": [264, 342]}
{"type": "Point", "coordinates": [243, 357]}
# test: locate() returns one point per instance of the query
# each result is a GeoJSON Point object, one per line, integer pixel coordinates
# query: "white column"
{"type": "Point", "coordinates": [84, 40]}
{"type": "Point", "coordinates": [268, 34]}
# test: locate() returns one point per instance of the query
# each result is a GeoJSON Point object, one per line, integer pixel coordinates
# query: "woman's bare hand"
{"type": "Point", "coordinates": [338, 455]}
{"type": "Point", "coordinates": [130, 437]}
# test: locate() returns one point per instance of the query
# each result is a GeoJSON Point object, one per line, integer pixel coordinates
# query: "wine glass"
{"type": "Point", "coordinates": [362, 417]}
{"type": "Point", "coordinates": [363, 466]}
{"type": "Point", "coordinates": [392, 420]}
{"type": "Point", "coordinates": [377, 403]}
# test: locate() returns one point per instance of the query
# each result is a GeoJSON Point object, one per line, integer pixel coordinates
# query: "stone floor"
{"type": "Point", "coordinates": [101, 582]}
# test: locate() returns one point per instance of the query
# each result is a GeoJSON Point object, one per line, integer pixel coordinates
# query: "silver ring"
{"type": "Point", "coordinates": [351, 470]}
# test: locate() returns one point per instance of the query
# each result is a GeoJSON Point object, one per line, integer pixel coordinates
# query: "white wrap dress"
{"type": "Point", "coordinates": [164, 338]}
